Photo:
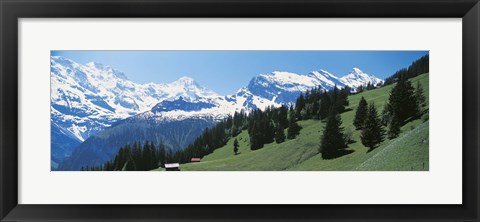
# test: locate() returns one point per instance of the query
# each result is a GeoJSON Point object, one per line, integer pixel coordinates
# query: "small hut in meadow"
{"type": "Point", "coordinates": [172, 167]}
{"type": "Point", "coordinates": [195, 160]}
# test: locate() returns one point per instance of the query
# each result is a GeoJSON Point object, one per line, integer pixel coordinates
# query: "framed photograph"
{"type": "Point", "coordinates": [225, 110]}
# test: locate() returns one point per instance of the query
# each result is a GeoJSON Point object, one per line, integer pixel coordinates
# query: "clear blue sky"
{"type": "Point", "coordinates": [227, 71]}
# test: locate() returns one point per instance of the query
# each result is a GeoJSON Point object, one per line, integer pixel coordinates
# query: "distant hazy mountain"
{"type": "Point", "coordinates": [96, 109]}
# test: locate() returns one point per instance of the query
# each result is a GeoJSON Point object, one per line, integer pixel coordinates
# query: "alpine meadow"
{"type": "Point", "coordinates": [239, 111]}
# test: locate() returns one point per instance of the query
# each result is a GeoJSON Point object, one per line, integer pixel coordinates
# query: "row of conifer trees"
{"type": "Point", "coordinates": [405, 103]}
{"type": "Point", "coordinates": [135, 157]}
{"type": "Point", "coordinates": [417, 67]}
{"type": "Point", "coordinates": [263, 127]}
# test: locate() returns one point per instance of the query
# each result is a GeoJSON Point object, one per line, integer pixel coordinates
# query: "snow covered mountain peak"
{"type": "Point", "coordinates": [357, 77]}
{"type": "Point", "coordinates": [287, 81]}
{"type": "Point", "coordinates": [59, 62]}
{"type": "Point", "coordinates": [106, 69]}
{"type": "Point", "coordinates": [185, 81]}
{"type": "Point", "coordinates": [357, 70]}
{"type": "Point", "coordinates": [327, 79]}
{"type": "Point", "coordinates": [95, 65]}
{"type": "Point", "coordinates": [357, 73]}
{"type": "Point", "coordinates": [324, 73]}
{"type": "Point", "coordinates": [187, 88]}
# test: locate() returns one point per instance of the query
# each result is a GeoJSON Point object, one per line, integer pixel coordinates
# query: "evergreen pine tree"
{"type": "Point", "coordinates": [161, 154]}
{"type": "Point", "coordinates": [332, 139]}
{"type": "Point", "coordinates": [420, 98]}
{"type": "Point", "coordinates": [279, 134]}
{"type": "Point", "coordinates": [316, 109]}
{"type": "Point", "coordinates": [361, 113]}
{"type": "Point", "coordinates": [130, 165]}
{"type": "Point", "coordinates": [268, 131]}
{"type": "Point", "coordinates": [119, 159]}
{"type": "Point", "coordinates": [255, 137]}
{"type": "Point", "coordinates": [372, 132]}
{"type": "Point", "coordinates": [402, 101]}
{"type": "Point", "coordinates": [393, 127]}
{"type": "Point", "coordinates": [370, 86]}
{"type": "Point", "coordinates": [325, 105]}
{"type": "Point", "coordinates": [360, 89]}
{"type": "Point", "coordinates": [334, 97]}
{"type": "Point", "coordinates": [293, 129]}
{"type": "Point", "coordinates": [385, 118]}
{"type": "Point", "coordinates": [283, 116]}
{"type": "Point", "coordinates": [291, 114]}
{"type": "Point", "coordinates": [299, 106]}
{"type": "Point", "coordinates": [154, 158]}
{"type": "Point", "coordinates": [235, 130]}
{"type": "Point", "coordinates": [342, 100]}
{"type": "Point", "coordinates": [235, 146]}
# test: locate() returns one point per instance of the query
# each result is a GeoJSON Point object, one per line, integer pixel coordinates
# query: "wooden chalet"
{"type": "Point", "coordinates": [195, 160]}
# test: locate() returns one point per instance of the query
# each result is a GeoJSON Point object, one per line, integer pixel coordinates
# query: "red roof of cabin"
{"type": "Point", "coordinates": [195, 159]}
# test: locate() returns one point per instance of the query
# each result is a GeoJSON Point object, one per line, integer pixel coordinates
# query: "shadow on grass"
{"type": "Point", "coordinates": [343, 152]}
{"type": "Point", "coordinates": [338, 154]}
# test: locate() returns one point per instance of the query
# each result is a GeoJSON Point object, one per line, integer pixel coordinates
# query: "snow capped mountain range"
{"type": "Point", "coordinates": [86, 99]}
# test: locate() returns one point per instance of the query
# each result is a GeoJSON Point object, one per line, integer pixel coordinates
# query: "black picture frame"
{"type": "Point", "coordinates": [11, 11]}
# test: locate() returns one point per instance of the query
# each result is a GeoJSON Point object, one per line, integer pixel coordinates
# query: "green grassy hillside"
{"type": "Point", "coordinates": [407, 152]}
